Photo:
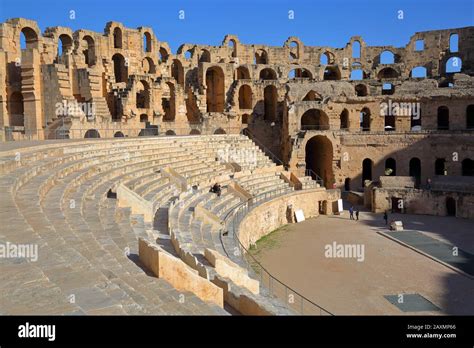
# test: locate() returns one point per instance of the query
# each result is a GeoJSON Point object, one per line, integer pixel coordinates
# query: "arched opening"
{"type": "Point", "coordinates": [188, 54]}
{"type": "Point", "coordinates": [194, 132]}
{"type": "Point", "coordinates": [64, 47]}
{"type": "Point", "coordinates": [319, 156]}
{"type": "Point", "coordinates": [148, 66]}
{"type": "Point", "coordinates": [119, 134]}
{"type": "Point", "coordinates": [453, 65]}
{"type": "Point", "coordinates": [143, 118]}
{"type": "Point", "coordinates": [366, 170]}
{"type": "Point", "coordinates": [387, 73]}
{"type": "Point", "coordinates": [168, 101]}
{"type": "Point", "coordinates": [365, 120]}
{"type": "Point", "coordinates": [270, 102]}
{"type": "Point", "coordinates": [92, 133]}
{"type": "Point", "coordinates": [120, 70]}
{"type": "Point", "coordinates": [390, 167]}
{"type": "Point", "coordinates": [16, 110]}
{"type": "Point", "coordinates": [443, 118]}
{"type": "Point", "coordinates": [147, 42]}
{"type": "Point", "coordinates": [389, 123]}
{"type": "Point", "coordinates": [357, 74]}
{"type": "Point", "coordinates": [314, 119]}
{"type": "Point", "coordinates": [450, 206]}
{"type": "Point", "coordinates": [245, 118]}
{"type": "Point", "coordinates": [163, 54]}
{"type": "Point", "coordinates": [268, 74]}
{"type": "Point", "coordinates": [245, 97]}
{"type": "Point", "coordinates": [233, 46]}
{"type": "Point", "coordinates": [418, 72]}
{"type": "Point", "coordinates": [388, 89]}
{"type": "Point", "coordinates": [387, 57]}
{"type": "Point", "coordinates": [170, 132]}
{"type": "Point", "coordinates": [205, 56]}
{"type": "Point", "coordinates": [261, 57]}
{"type": "Point", "coordinates": [215, 89]}
{"type": "Point", "coordinates": [332, 73]}
{"type": "Point", "coordinates": [440, 166]}
{"type": "Point", "coordinates": [356, 49]}
{"type": "Point", "coordinates": [415, 170]}
{"type": "Point", "coordinates": [468, 167]}
{"type": "Point", "coordinates": [117, 38]}
{"type": "Point", "coordinates": [470, 117]}
{"type": "Point", "coordinates": [312, 96]}
{"type": "Point", "coordinates": [220, 131]}
{"type": "Point", "coordinates": [344, 119]}
{"type": "Point", "coordinates": [177, 71]}
{"type": "Point", "coordinates": [327, 58]}
{"type": "Point", "coordinates": [28, 38]}
{"type": "Point", "coordinates": [361, 90]}
{"type": "Point", "coordinates": [243, 73]}
{"type": "Point", "coordinates": [299, 73]}
{"type": "Point", "coordinates": [89, 50]}
{"type": "Point", "coordinates": [347, 184]}
{"type": "Point", "coordinates": [453, 43]}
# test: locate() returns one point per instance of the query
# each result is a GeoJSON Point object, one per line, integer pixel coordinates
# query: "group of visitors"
{"type": "Point", "coordinates": [351, 213]}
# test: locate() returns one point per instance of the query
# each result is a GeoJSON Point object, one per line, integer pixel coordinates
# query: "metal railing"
{"type": "Point", "coordinates": [290, 297]}
{"type": "Point", "coordinates": [265, 149]}
{"type": "Point", "coordinates": [314, 176]}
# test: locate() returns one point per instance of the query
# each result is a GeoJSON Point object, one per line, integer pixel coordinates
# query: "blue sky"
{"type": "Point", "coordinates": [316, 22]}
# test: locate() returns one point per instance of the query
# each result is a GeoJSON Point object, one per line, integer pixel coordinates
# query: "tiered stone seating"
{"type": "Point", "coordinates": [61, 197]}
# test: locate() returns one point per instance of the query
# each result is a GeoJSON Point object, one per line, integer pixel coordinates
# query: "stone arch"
{"type": "Point", "coordinates": [163, 54]}
{"type": "Point", "coordinates": [387, 73]}
{"type": "Point", "coordinates": [117, 37]}
{"type": "Point", "coordinates": [356, 49]}
{"type": "Point", "coordinates": [332, 73]}
{"type": "Point", "coordinates": [89, 50]}
{"type": "Point", "coordinates": [261, 57]}
{"type": "Point", "coordinates": [268, 74]}
{"type": "Point", "coordinates": [387, 57]}
{"type": "Point", "coordinates": [147, 42]}
{"type": "Point", "coordinates": [300, 73]}
{"type": "Point", "coordinates": [344, 119]}
{"type": "Point", "coordinates": [453, 65]}
{"type": "Point", "coordinates": [314, 119]}
{"type": "Point", "coordinates": [390, 167]}
{"type": "Point", "coordinates": [467, 167]}
{"type": "Point", "coordinates": [16, 109]}
{"type": "Point", "coordinates": [312, 96]}
{"type": "Point", "coordinates": [347, 184]}
{"type": "Point", "coordinates": [242, 73]}
{"type": "Point", "coordinates": [168, 102]}
{"type": "Point", "coordinates": [205, 56]}
{"type": "Point", "coordinates": [142, 95]}
{"type": "Point", "coordinates": [245, 118]}
{"type": "Point", "coordinates": [470, 117]}
{"type": "Point", "coordinates": [440, 166]}
{"type": "Point", "coordinates": [418, 72]}
{"type": "Point", "coordinates": [143, 118]}
{"type": "Point", "coordinates": [92, 133]}
{"type": "Point", "coordinates": [327, 58]}
{"type": "Point", "coordinates": [365, 119]}
{"type": "Point", "coordinates": [367, 166]}
{"type": "Point", "coordinates": [30, 38]}
{"type": "Point", "coordinates": [215, 94]}
{"type": "Point", "coordinates": [119, 134]}
{"type": "Point", "coordinates": [414, 170]}
{"type": "Point", "coordinates": [195, 132]}
{"type": "Point", "coordinates": [64, 45]}
{"type": "Point", "coordinates": [220, 131]}
{"type": "Point", "coordinates": [170, 132]}
{"type": "Point", "coordinates": [361, 90]}
{"type": "Point", "coordinates": [120, 69]}
{"type": "Point", "coordinates": [270, 101]}
{"type": "Point", "coordinates": [177, 71]}
{"type": "Point", "coordinates": [148, 66]}
{"type": "Point", "coordinates": [245, 97]}
{"type": "Point", "coordinates": [443, 118]}
{"type": "Point", "coordinates": [319, 157]}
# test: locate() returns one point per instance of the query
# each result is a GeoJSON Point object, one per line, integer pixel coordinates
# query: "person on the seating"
{"type": "Point", "coordinates": [218, 190]}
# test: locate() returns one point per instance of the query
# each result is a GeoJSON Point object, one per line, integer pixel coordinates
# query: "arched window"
{"type": "Point", "coordinates": [163, 54]}
{"type": "Point", "coordinates": [261, 57]}
{"type": "Point", "coordinates": [312, 96]}
{"type": "Point", "coordinates": [367, 165]}
{"type": "Point", "coordinates": [89, 50]}
{"type": "Point", "coordinates": [418, 72]}
{"type": "Point", "coordinates": [415, 170]}
{"type": "Point", "coordinates": [356, 49]}
{"type": "Point", "coordinates": [142, 95]}
{"type": "Point", "coordinates": [177, 71]}
{"type": "Point", "coordinates": [453, 43]}
{"type": "Point", "coordinates": [205, 56]}
{"type": "Point", "coordinates": [387, 57]}
{"type": "Point", "coordinates": [268, 74]}
{"type": "Point", "coordinates": [147, 42]}
{"type": "Point", "coordinates": [332, 73]}
{"type": "Point", "coordinates": [440, 166]}
{"type": "Point", "coordinates": [443, 118]}
{"type": "Point", "coordinates": [470, 117]}
{"type": "Point", "coordinates": [453, 65]}
{"type": "Point", "coordinates": [365, 119]}
{"type": "Point", "coordinates": [16, 110]}
{"type": "Point", "coordinates": [245, 97]}
{"type": "Point", "coordinates": [64, 45]}
{"type": "Point", "coordinates": [92, 133]}
{"type": "Point", "coordinates": [390, 167]}
{"type": "Point", "coordinates": [270, 103]}
{"type": "Point", "coordinates": [245, 118]}
{"type": "Point", "coordinates": [242, 73]}
{"type": "Point", "coordinates": [120, 70]}
{"type": "Point", "coordinates": [215, 94]}
{"type": "Point", "coordinates": [148, 66]}
{"type": "Point", "coordinates": [387, 89]}
{"type": "Point", "coordinates": [344, 119]}
{"type": "Point", "coordinates": [117, 38]}
{"type": "Point", "coordinates": [314, 119]}
{"type": "Point", "coordinates": [28, 38]}
{"type": "Point", "coordinates": [361, 90]}
{"type": "Point", "coordinates": [357, 74]}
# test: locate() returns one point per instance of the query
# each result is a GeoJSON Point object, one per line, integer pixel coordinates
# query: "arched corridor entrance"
{"type": "Point", "coordinates": [319, 155]}
{"type": "Point", "coordinates": [415, 170]}
{"type": "Point", "coordinates": [450, 206]}
{"type": "Point", "coordinates": [215, 89]}
{"type": "Point", "coordinates": [366, 170]}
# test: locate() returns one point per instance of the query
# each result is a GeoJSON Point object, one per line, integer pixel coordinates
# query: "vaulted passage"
{"type": "Point", "coordinates": [245, 97]}
{"type": "Point", "coordinates": [367, 165]}
{"type": "Point", "coordinates": [314, 119]}
{"type": "Point", "coordinates": [16, 109]}
{"type": "Point", "coordinates": [120, 70]}
{"type": "Point", "coordinates": [319, 155]}
{"type": "Point", "coordinates": [270, 96]}
{"type": "Point", "coordinates": [215, 89]}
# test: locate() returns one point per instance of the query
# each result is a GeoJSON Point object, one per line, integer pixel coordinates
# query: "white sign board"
{"type": "Point", "coordinates": [299, 215]}
{"type": "Point", "coordinates": [339, 205]}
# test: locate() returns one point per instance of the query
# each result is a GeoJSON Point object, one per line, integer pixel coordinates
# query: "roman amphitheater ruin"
{"type": "Point", "coordinates": [282, 129]}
